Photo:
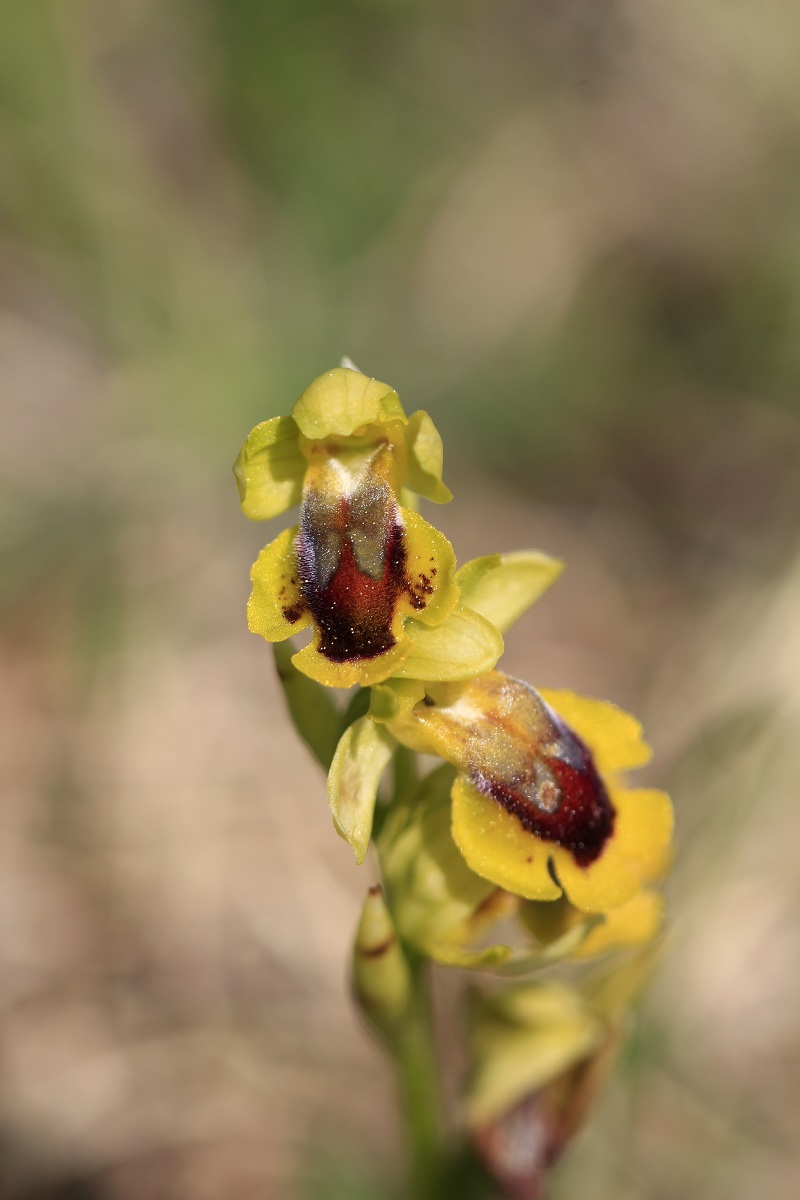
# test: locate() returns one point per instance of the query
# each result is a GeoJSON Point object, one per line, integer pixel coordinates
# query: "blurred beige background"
{"type": "Point", "coordinates": [571, 231]}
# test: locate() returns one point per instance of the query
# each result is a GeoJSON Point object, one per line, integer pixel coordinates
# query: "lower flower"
{"type": "Point", "coordinates": [538, 808]}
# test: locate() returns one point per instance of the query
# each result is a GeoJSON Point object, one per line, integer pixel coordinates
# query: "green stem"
{"type": "Point", "coordinates": [420, 1097]}
{"type": "Point", "coordinates": [406, 772]}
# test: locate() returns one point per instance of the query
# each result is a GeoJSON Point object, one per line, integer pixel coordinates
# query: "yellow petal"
{"type": "Point", "coordinates": [361, 757]}
{"type": "Point", "coordinates": [496, 846]}
{"type": "Point", "coordinates": [501, 587]}
{"type": "Point", "coordinates": [631, 924]}
{"type": "Point", "coordinates": [614, 737]}
{"type": "Point", "coordinates": [269, 470]}
{"type": "Point", "coordinates": [606, 883]}
{"type": "Point", "coordinates": [463, 646]}
{"type": "Point", "coordinates": [363, 671]}
{"type": "Point", "coordinates": [430, 571]}
{"type": "Point", "coordinates": [361, 582]}
{"type": "Point", "coordinates": [425, 456]}
{"type": "Point", "coordinates": [275, 608]}
{"type": "Point", "coordinates": [342, 401]}
{"type": "Point", "coordinates": [646, 827]}
{"type": "Point", "coordinates": [636, 853]}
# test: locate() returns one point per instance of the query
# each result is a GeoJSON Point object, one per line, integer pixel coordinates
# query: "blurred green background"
{"type": "Point", "coordinates": [570, 229]}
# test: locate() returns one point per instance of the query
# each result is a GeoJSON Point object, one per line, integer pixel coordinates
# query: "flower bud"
{"type": "Point", "coordinates": [381, 974]}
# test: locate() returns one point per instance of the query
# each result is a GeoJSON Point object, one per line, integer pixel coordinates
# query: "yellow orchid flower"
{"type": "Point", "coordinates": [538, 807]}
{"type": "Point", "coordinates": [374, 581]}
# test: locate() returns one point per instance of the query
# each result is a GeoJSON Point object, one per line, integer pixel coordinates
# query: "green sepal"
{"type": "Point", "coordinates": [314, 714]}
{"type": "Point", "coordinates": [361, 757]}
{"type": "Point", "coordinates": [341, 401]}
{"type": "Point", "coordinates": [501, 587]}
{"type": "Point", "coordinates": [270, 469]}
{"type": "Point", "coordinates": [464, 645]}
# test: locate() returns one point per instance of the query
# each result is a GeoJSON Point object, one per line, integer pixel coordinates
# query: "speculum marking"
{"type": "Point", "coordinates": [352, 569]}
{"type": "Point", "coordinates": [570, 806]}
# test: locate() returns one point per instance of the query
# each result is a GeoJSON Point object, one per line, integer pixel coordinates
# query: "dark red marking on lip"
{"type": "Point", "coordinates": [584, 819]}
{"type": "Point", "coordinates": [293, 612]}
{"type": "Point", "coordinates": [355, 611]}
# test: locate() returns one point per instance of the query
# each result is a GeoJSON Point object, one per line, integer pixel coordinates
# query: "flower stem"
{"type": "Point", "coordinates": [420, 1096]}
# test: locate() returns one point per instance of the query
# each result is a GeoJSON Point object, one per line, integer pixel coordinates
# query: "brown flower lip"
{"type": "Point", "coordinates": [577, 813]}
{"type": "Point", "coordinates": [353, 574]}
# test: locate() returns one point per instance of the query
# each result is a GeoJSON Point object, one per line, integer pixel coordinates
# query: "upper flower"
{"type": "Point", "coordinates": [374, 581]}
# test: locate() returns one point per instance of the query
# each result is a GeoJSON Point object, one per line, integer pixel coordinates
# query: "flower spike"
{"type": "Point", "coordinates": [524, 847]}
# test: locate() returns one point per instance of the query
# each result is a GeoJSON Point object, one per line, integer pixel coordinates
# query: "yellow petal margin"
{"type": "Point", "coordinates": [496, 846]}
{"type": "Point", "coordinates": [275, 608]}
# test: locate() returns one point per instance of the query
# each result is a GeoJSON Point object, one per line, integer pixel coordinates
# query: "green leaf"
{"type": "Point", "coordinates": [363, 753]}
{"type": "Point", "coordinates": [341, 401]}
{"type": "Point", "coordinates": [501, 587]}
{"type": "Point", "coordinates": [314, 714]}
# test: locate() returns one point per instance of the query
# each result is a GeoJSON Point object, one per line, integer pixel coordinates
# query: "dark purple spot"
{"type": "Point", "coordinates": [293, 612]}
